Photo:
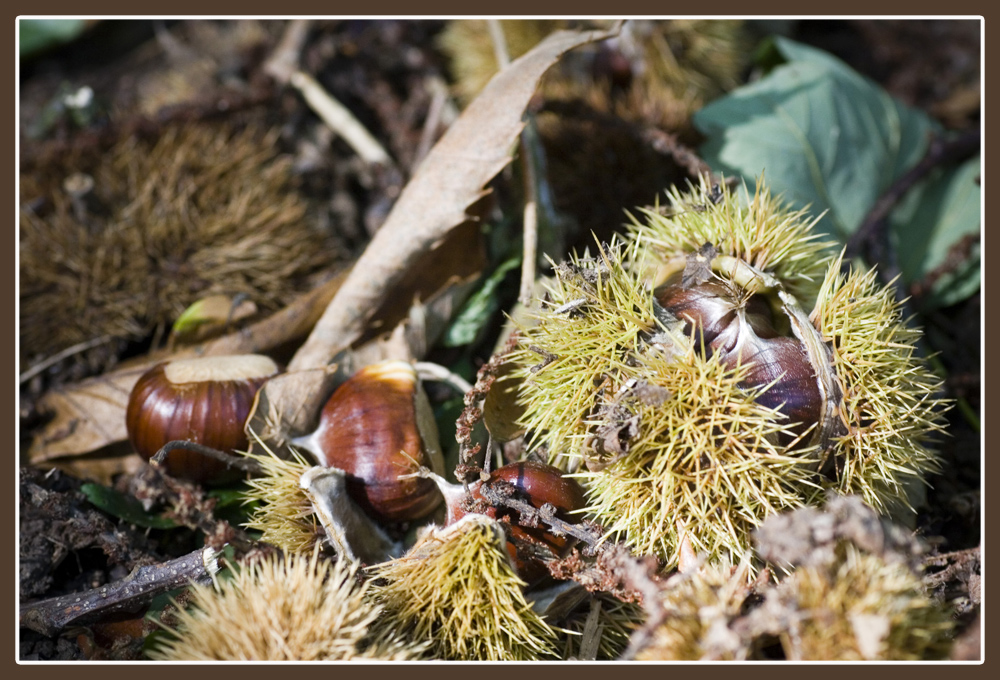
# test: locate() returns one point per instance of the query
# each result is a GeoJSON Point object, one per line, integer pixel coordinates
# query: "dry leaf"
{"type": "Point", "coordinates": [88, 415]}
{"type": "Point", "coordinates": [451, 178]}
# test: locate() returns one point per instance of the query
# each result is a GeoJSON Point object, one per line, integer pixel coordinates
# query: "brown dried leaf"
{"type": "Point", "coordinates": [88, 415]}
{"type": "Point", "coordinates": [451, 178]}
{"type": "Point", "coordinates": [501, 410]}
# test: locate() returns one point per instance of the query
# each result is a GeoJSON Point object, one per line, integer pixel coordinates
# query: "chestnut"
{"type": "Point", "coordinates": [741, 329]}
{"type": "Point", "coordinates": [533, 482]}
{"type": "Point", "coordinates": [376, 427]}
{"type": "Point", "coordinates": [205, 400]}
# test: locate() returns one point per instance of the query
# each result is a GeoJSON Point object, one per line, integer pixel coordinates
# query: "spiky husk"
{"type": "Point", "coordinates": [889, 400]}
{"type": "Point", "coordinates": [457, 591]}
{"type": "Point", "coordinates": [701, 462]}
{"type": "Point", "coordinates": [703, 465]}
{"type": "Point", "coordinates": [285, 516]}
{"type": "Point", "coordinates": [560, 395]}
{"type": "Point", "coordinates": [202, 210]}
{"type": "Point", "coordinates": [698, 609]}
{"type": "Point", "coordinates": [863, 607]}
{"type": "Point", "coordinates": [299, 608]}
{"type": "Point", "coordinates": [766, 234]}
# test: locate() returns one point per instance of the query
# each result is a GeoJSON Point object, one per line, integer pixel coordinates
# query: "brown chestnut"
{"type": "Point", "coordinates": [740, 328]}
{"type": "Point", "coordinates": [532, 482]}
{"type": "Point", "coordinates": [205, 400]}
{"type": "Point", "coordinates": [376, 427]}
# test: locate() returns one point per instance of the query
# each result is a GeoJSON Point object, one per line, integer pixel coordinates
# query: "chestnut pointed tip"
{"type": "Point", "coordinates": [312, 443]}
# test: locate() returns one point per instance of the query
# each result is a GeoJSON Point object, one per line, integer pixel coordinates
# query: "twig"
{"type": "Point", "coordinates": [592, 628]}
{"type": "Point", "coordinates": [530, 235]}
{"type": "Point", "coordinates": [958, 253]}
{"type": "Point", "coordinates": [427, 370]}
{"type": "Point", "coordinates": [499, 43]}
{"type": "Point", "coordinates": [285, 59]}
{"type": "Point", "coordinates": [530, 226]}
{"type": "Point", "coordinates": [668, 144]}
{"type": "Point", "coordinates": [56, 358]}
{"type": "Point", "coordinates": [530, 515]}
{"type": "Point", "coordinates": [871, 240]}
{"type": "Point", "coordinates": [246, 464]}
{"type": "Point", "coordinates": [340, 119]}
{"type": "Point", "coordinates": [130, 594]}
{"type": "Point", "coordinates": [435, 116]}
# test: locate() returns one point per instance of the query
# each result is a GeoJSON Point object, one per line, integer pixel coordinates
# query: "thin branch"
{"type": "Point", "coordinates": [339, 119]}
{"type": "Point", "coordinates": [435, 117]}
{"type": "Point", "coordinates": [530, 515]}
{"type": "Point", "coordinates": [530, 226]}
{"type": "Point", "coordinates": [56, 358]}
{"type": "Point", "coordinates": [246, 464]}
{"type": "Point", "coordinates": [427, 370]}
{"type": "Point", "coordinates": [130, 594]}
{"type": "Point", "coordinates": [958, 254]}
{"type": "Point", "coordinates": [499, 43]}
{"type": "Point", "coordinates": [668, 144]}
{"type": "Point", "coordinates": [871, 240]}
{"type": "Point", "coordinates": [284, 60]}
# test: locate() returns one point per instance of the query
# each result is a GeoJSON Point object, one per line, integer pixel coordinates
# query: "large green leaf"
{"type": "Point", "coordinates": [823, 135]}
{"type": "Point", "coordinates": [828, 138]}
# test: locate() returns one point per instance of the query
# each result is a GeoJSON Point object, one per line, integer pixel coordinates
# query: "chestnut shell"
{"type": "Point", "coordinates": [711, 307]}
{"type": "Point", "coordinates": [538, 484]}
{"type": "Point", "coordinates": [211, 412]}
{"type": "Point", "coordinates": [373, 429]}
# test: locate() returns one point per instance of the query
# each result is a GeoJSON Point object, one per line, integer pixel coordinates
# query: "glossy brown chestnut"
{"type": "Point", "coordinates": [740, 328]}
{"type": "Point", "coordinates": [204, 400]}
{"type": "Point", "coordinates": [537, 484]}
{"type": "Point", "coordinates": [377, 426]}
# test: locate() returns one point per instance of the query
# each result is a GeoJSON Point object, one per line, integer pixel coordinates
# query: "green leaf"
{"type": "Point", "coordinates": [822, 134]}
{"type": "Point", "coordinates": [825, 137]}
{"type": "Point", "coordinates": [124, 507]}
{"type": "Point", "coordinates": [37, 35]}
{"type": "Point", "coordinates": [231, 504]}
{"type": "Point", "coordinates": [478, 309]}
{"type": "Point", "coordinates": [229, 497]}
{"type": "Point", "coordinates": [943, 210]}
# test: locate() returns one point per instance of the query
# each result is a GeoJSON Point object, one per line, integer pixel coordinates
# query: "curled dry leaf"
{"type": "Point", "coordinates": [451, 179]}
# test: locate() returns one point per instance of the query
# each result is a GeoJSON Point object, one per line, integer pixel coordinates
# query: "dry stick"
{"type": "Point", "coordinates": [668, 144]}
{"type": "Point", "coordinates": [339, 119]}
{"type": "Point", "coordinates": [284, 61]}
{"type": "Point", "coordinates": [871, 240]}
{"type": "Point", "coordinates": [130, 594]}
{"type": "Point", "coordinates": [530, 226]}
{"type": "Point", "coordinates": [245, 464]}
{"type": "Point", "coordinates": [435, 115]}
{"type": "Point", "coordinates": [958, 254]}
{"type": "Point", "coordinates": [546, 513]}
{"type": "Point", "coordinates": [56, 358]}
